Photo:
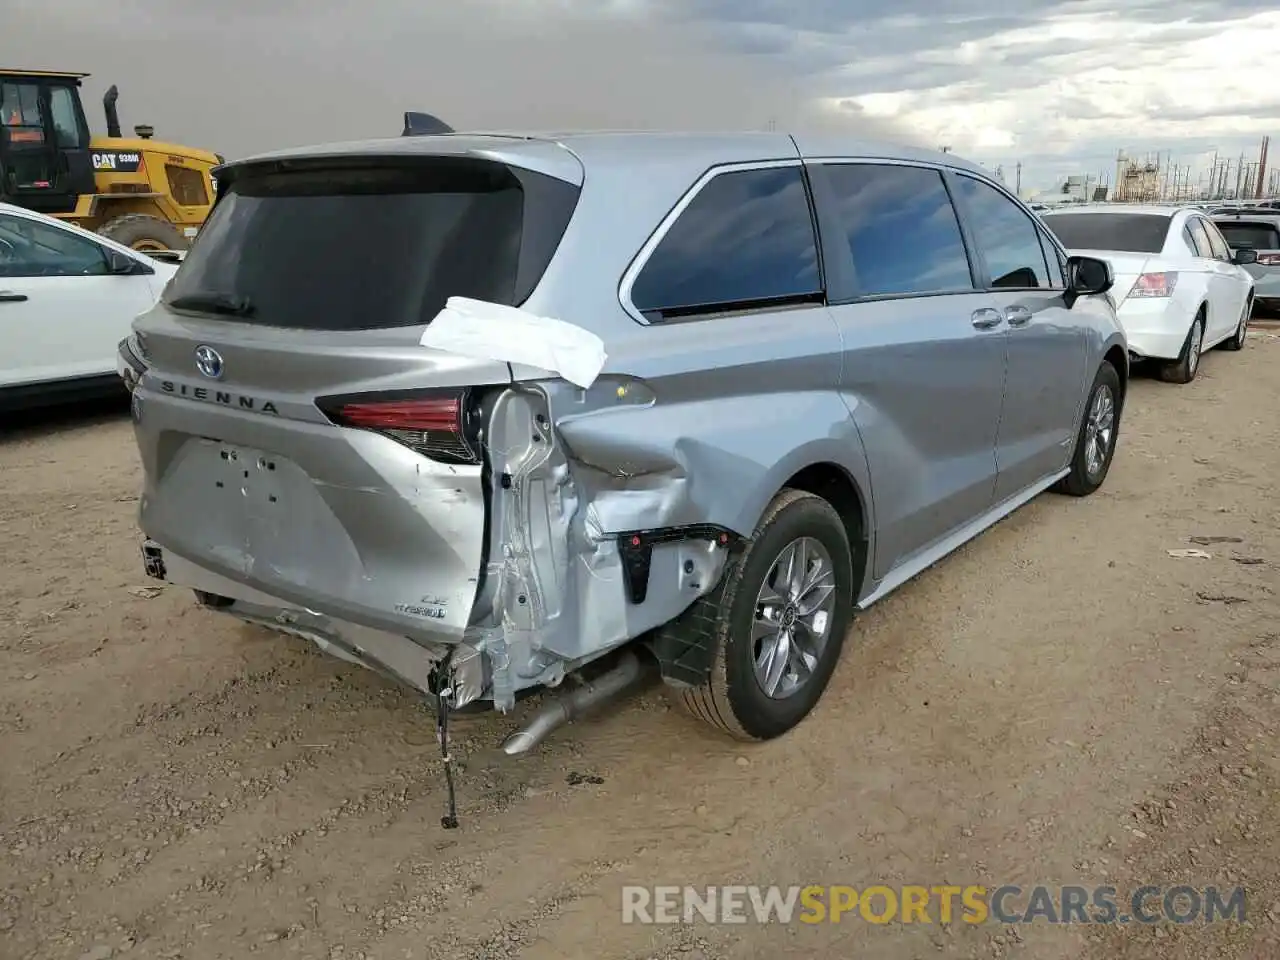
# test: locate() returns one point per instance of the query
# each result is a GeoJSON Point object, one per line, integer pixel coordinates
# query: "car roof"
{"type": "Point", "coordinates": [14, 73]}
{"type": "Point", "coordinates": [1144, 208]}
{"type": "Point", "coordinates": [622, 146]}
{"type": "Point", "coordinates": [1237, 213]}
{"type": "Point", "coordinates": [1260, 219]}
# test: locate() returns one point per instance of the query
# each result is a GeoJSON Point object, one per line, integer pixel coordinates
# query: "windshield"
{"type": "Point", "coordinates": [371, 247]}
{"type": "Point", "coordinates": [1124, 232]}
{"type": "Point", "coordinates": [1259, 236]}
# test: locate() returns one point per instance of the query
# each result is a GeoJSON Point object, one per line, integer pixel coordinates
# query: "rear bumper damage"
{"type": "Point", "coordinates": [495, 664]}
{"type": "Point", "coordinates": [529, 566]}
{"type": "Point", "coordinates": [394, 656]}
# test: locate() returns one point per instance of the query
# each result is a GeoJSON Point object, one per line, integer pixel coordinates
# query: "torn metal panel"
{"type": "Point", "coordinates": [556, 591]}
{"type": "Point", "coordinates": [393, 655]}
{"type": "Point", "coordinates": [695, 462]}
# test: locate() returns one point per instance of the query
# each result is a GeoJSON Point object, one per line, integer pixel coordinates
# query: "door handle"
{"type": "Point", "coordinates": [986, 318]}
{"type": "Point", "coordinates": [9, 297]}
{"type": "Point", "coordinates": [1018, 316]}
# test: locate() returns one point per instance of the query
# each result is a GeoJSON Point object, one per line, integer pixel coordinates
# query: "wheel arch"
{"type": "Point", "coordinates": [834, 468]}
{"type": "Point", "coordinates": [1118, 357]}
{"type": "Point", "coordinates": [834, 484]}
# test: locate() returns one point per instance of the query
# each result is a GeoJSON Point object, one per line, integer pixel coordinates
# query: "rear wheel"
{"type": "Point", "coordinates": [1185, 368]}
{"type": "Point", "coordinates": [1096, 441]}
{"type": "Point", "coordinates": [777, 621]}
{"type": "Point", "coordinates": [1242, 329]}
{"type": "Point", "coordinates": [144, 233]}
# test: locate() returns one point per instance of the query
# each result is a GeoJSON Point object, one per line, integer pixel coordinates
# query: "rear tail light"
{"type": "Point", "coordinates": [1154, 285]}
{"type": "Point", "coordinates": [441, 425]}
{"type": "Point", "coordinates": [1269, 259]}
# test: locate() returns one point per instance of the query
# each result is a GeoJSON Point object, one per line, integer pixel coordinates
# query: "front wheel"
{"type": "Point", "coordinates": [777, 622]}
{"type": "Point", "coordinates": [1096, 441]}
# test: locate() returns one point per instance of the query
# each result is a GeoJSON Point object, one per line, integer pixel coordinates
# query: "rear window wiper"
{"type": "Point", "coordinates": [224, 303]}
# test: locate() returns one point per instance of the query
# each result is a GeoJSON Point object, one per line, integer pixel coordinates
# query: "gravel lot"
{"type": "Point", "coordinates": [1062, 701]}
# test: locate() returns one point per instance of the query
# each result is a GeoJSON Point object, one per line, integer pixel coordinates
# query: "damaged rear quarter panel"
{"type": "Point", "coordinates": [667, 441]}
{"type": "Point", "coordinates": [716, 442]}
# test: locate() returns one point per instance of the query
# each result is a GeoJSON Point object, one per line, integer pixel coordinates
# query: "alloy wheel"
{"type": "Point", "coordinates": [1099, 429]}
{"type": "Point", "coordinates": [794, 609]}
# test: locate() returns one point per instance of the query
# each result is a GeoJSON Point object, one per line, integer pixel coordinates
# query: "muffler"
{"type": "Point", "coordinates": [629, 674]}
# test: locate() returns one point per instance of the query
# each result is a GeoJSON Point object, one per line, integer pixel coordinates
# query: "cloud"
{"type": "Point", "coordinates": [1060, 85]}
{"type": "Point", "coordinates": [241, 76]}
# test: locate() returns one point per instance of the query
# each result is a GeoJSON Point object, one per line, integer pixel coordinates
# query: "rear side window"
{"type": "Point", "coordinates": [745, 241]}
{"type": "Point", "coordinates": [901, 229]}
{"type": "Point", "coordinates": [1220, 249]}
{"type": "Point", "coordinates": [1122, 232]}
{"type": "Point", "coordinates": [1006, 235]}
{"type": "Point", "coordinates": [1202, 245]}
{"type": "Point", "coordinates": [1056, 261]}
{"type": "Point", "coordinates": [325, 247]}
{"type": "Point", "coordinates": [1259, 236]}
{"type": "Point", "coordinates": [1189, 239]}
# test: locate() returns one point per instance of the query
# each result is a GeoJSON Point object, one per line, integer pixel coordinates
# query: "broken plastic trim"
{"type": "Point", "coordinates": [153, 561]}
{"type": "Point", "coordinates": [441, 684]}
{"type": "Point", "coordinates": [636, 549]}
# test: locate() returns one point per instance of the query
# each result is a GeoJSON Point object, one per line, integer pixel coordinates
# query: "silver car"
{"type": "Point", "coordinates": [693, 400]}
{"type": "Point", "coordinates": [1257, 230]}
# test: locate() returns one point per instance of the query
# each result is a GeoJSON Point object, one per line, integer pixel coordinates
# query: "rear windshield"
{"type": "Point", "coordinates": [1127, 232]}
{"type": "Point", "coordinates": [373, 246]}
{"type": "Point", "coordinates": [1259, 236]}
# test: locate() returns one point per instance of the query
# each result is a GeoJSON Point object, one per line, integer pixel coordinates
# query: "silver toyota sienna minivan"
{"type": "Point", "coordinates": [692, 401]}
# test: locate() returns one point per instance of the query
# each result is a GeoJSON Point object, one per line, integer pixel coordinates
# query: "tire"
{"type": "Point", "coordinates": [138, 231]}
{"type": "Point", "coordinates": [1089, 465]}
{"type": "Point", "coordinates": [734, 699]}
{"type": "Point", "coordinates": [1242, 329]}
{"type": "Point", "coordinates": [1185, 368]}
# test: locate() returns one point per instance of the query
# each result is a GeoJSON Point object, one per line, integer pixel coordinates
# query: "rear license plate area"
{"type": "Point", "coordinates": [249, 475]}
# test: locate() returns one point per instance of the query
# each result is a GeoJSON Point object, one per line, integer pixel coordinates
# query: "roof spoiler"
{"type": "Point", "coordinates": [423, 125]}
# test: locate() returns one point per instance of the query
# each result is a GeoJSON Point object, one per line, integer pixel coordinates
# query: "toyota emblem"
{"type": "Point", "coordinates": [209, 362]}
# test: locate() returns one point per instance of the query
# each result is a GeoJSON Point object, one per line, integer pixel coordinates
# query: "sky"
{"type": "Point", "coordinates": [1058, 86]}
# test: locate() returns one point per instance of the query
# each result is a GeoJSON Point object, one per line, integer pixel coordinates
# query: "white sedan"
{"type": "Point", "coordinates": [1178, 288]}
{"type": "Point", "coordinates": [67, 299]}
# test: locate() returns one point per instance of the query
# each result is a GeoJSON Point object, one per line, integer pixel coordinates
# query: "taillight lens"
{"type": "Point", "coordinates": [1154, 285]}
{"type": "Point", "coordinates": [440, 425]}
{"type": "Point", "coordinates": [1269, 259]}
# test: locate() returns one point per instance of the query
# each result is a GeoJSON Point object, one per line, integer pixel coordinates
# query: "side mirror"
{"type": "Point", "coordinates": [1088, 275]}
{"type": "Point", "coordinates": [1244, 256]}
{"type": "Point", "coordinates": [118, 263]}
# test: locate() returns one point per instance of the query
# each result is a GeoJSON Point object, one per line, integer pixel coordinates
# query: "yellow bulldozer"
{"type": "Point", "coordinates": [141, 192]}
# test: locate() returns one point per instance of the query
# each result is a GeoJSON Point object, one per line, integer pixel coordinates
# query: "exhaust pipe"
{"type": "Point", "coordinates": [109, 108]}
{"type": "Point", "coordinates": [627, 675]}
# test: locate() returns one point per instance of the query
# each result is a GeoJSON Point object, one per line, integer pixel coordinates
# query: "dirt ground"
{"type": "Point", "coordinates": [1062, 701]}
